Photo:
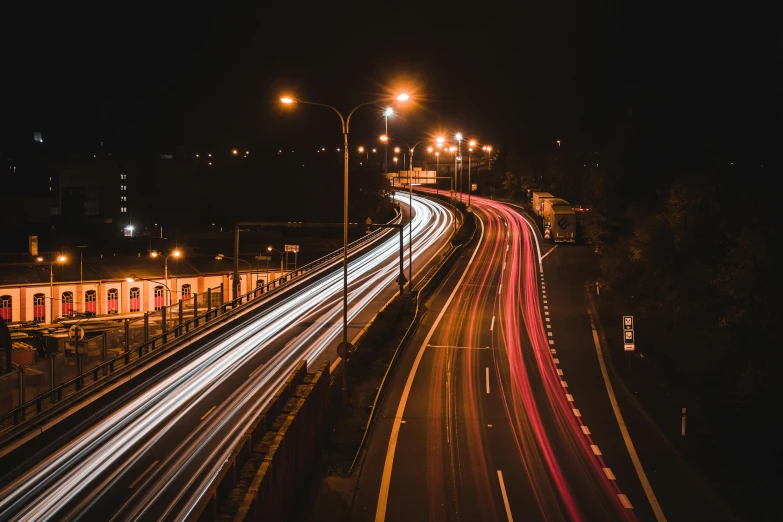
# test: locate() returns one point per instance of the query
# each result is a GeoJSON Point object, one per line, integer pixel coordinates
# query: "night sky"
{"type": "Point", "coordinates": [157, 78]}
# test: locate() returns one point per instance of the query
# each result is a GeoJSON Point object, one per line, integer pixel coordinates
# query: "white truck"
{"type": "Point", "coordinates": [560, 219]}
{"type": "Point", "coordinates": [538, 200]}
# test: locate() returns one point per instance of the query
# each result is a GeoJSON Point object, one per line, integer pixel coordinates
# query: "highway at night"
{"type": "Point", "coordinates": [154, 452]}
{"type": "Point", "coordinates": [481, 422]}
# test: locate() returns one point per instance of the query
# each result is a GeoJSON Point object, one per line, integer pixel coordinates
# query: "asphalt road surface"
{"type": "Point", "coordinates": [481, 421]}
{"type": "Point", "coordinates": [155, 451]}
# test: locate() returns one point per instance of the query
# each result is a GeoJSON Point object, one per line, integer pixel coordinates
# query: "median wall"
{"type": "Point", "coordinates": [276, 455]}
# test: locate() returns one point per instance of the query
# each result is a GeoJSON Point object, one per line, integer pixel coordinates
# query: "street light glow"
{"type": "Point", "coordinates": [287, 100]}
{"type": "Point", "coordinates": [403, 97]}
{"type": "Point", "coordinates": [397, 150]}
{"type": "Point", "coordinates": [154, 253]}
{"type": "Point", "coordinates": [429, 149]}
{"type": "Point", "coordinates": [361, 149]}
{"type": "Point", "coordinates": [472, 143]}
{"type": "Point", "coordinates": [176, 253]}
{"type": "Point", "coordinates": [384, 138]}
{"type": "Point", "coordinates": [39, 258]}
{"type": "Point", "coordinates": [440, 139]}
{"type": "Point", "coordinates": [131, 278]}
{"type": "Point", "coordinates": [234, 152]}
{"type": "Point", "coordinates": [458, 136]}
{"type": "Point", "coordinates": [388, 112]}
{"type": "Point", "coordinates": [61, 259]}
{"type": "Point", "coordinates": [374, 150]}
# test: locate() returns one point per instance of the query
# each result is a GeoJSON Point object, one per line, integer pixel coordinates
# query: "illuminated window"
{"type": "Point", "coordinates": [90, 299]}
{"type": "Point", "coordinates": [123, 209]}
{"type": "Point", "coordinates": [5, 307]}
{"type": "Point", "coordinates": [123, 176]}
{"type": "Point", "coordinates": [123, 198]}
{"type": "Point", "coordinates": [113, 301]}
{"type": "Point", "coordinates": [158, 297]}
{"type": "Point", "coordinates": [123, 187]}
{"type": "Point", "coordinates": [135, 300]}
{"type": "Point", "coordinates": [186, 292]}
{"type": "Point", "coordinates": [39, 307]}
{"type": "Point", "coordinates": [67, 300]}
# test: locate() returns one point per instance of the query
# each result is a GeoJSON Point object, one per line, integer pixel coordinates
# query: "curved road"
{"type": "Point", "coordinates": [155, 454]}
{"type": "Point", "coordinates": [480, 423]}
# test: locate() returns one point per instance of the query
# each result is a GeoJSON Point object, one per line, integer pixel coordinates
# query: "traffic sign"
{"type": "Point", "coordinates": [345, 350]}
{"type": "Point", "coordinates": [76, 333]}
{"type": "Point", "coordinates": [627, 322]}
{"type": "Point", "coordinates": [292, 248]}
{"type": "Point", "coordinates": [473, 187]}
{"type": "Point", "coordinates": [547, 233]}
{"type": "Point", "coordinates": [263, 258]}
{"type": "Point", "coordinates": [628, 339]}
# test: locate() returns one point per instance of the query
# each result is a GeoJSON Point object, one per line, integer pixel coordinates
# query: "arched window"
{"type": "Point", "coordinates": [186, 292]}
{"type": "Point", "coordinates": [159, 297]}
{"type": "Point", "coordinates": [135, 300]}
{"type": "Point", "coordinates": [113, 305]}
{"type": "Point", "coordinates": [39, 307]}
{"type": "Point", "coordinates": [5, 307]}
{"type": "Point", "coordinates": [90, 300]}
{"type": "Point", "coordinates": [67, 300]}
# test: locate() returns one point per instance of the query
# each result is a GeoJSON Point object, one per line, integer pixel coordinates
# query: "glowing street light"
{"type": "Point", "coordinates": [176, 254]}
{"type": "Point", "coordinates": [234, 152]}
{"type": "Point", "coordinates": [345, 122]}
{"type": "Point", "coordinates": [440, 139]}
{"type": "Point", "coordinates": [59, 259]}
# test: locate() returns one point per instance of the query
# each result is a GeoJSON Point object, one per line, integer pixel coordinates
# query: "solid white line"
{"type": "Point", "coordinates": [207, 413]}
{"type": "Point", "coordinates": [637, 464]}
{"type": "Point", "coordinates": [493, 324]}
{"type": "Point", "coordinates": [487, 379]}
{"type": "Point", "coordinates": [505, 496]}
{"type": "Point", "coordinates": [383, 494]}
{"type": "Point", "coordinates": [143, 474]}
{"type": "Point", "coordinates": [548, 252]}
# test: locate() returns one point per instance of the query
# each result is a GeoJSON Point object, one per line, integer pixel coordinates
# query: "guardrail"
{"type": "Point", "coordinates": [153, 344]}
{"type": "Point", "coordinates": [423, 290]}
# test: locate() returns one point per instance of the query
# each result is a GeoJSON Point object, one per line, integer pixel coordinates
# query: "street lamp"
{"type": "Point", "coordinates": [133, 277]}
{"type": "Point", "coordinates": [271, 249]}
{"type": "Point", "coordinates": [345, 122]}
{"type": "Point", "coordinates": [59, 259]}
{"type": "Point", "coordinates": [175, 254]}
{"type": "Point", "coordinates": [458, 137]}
{"type": "Point", "coordinates": [472, 144]}
{"type": "Point", "coordinates": [220, 257]}
{"type": "Point", "coordinates": [386, 113]}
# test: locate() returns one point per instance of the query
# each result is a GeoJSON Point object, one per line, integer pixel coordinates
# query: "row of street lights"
{"type": "Point", "coordinates": [345, 122]}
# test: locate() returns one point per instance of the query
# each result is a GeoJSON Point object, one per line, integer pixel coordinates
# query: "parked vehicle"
{"type": "Point", "coordinates": [559, 217]}
{"type": "Point", "coordinates": [538, 200]}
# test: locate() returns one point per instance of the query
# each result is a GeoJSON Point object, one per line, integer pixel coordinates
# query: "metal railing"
{"type": "Point", "coordinates": [62, 375]}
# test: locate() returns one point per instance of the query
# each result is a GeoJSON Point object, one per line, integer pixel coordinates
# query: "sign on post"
{"type": "Point", "coordinates": [76, 333]}
{"type": "Point", "coordinates": [628, 341]}
{"type": "Point", "coordinates": [292, 248]}
{"type": "Point", "coordinates": [627, 322]}
{"type": "Point", "coordinates": [263, 258]}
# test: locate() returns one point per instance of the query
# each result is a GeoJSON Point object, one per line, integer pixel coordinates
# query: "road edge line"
{"type": "Point", "coordinates": [383, 495]}
{"type": "Point", "coordinates": [637, 464]}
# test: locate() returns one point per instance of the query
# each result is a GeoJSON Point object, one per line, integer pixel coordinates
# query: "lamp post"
{"type": "Point", "coordinates": [345, 122]}
{"type": "Point", "coordinates": [458, 137]}
{"type": "Point", "coordinates": [59, 259]}
{"type": "Point", "coordinates": [133, 277]}
{"type": "Point", "coordinates": [386, 113]}
{"type": "Point", "coordinates": [270, 249]}
{"type": "Point", "coordinates": [175, 254]}
{"type": "Point", "coordinates": [472, 144]}
{"type": "Point", "coordinates": [220, 257]}
{"type": "Point", "coordinates": [385, 138]}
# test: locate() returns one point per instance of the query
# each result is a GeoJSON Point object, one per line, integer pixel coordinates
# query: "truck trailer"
{"type": "Point", "coordinates": [538, 199]}
{"type": "Point", "coordinates": [559, 217]}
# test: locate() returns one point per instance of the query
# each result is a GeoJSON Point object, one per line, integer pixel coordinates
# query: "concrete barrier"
{"type": "Point", "coordinates": [261, 478]}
